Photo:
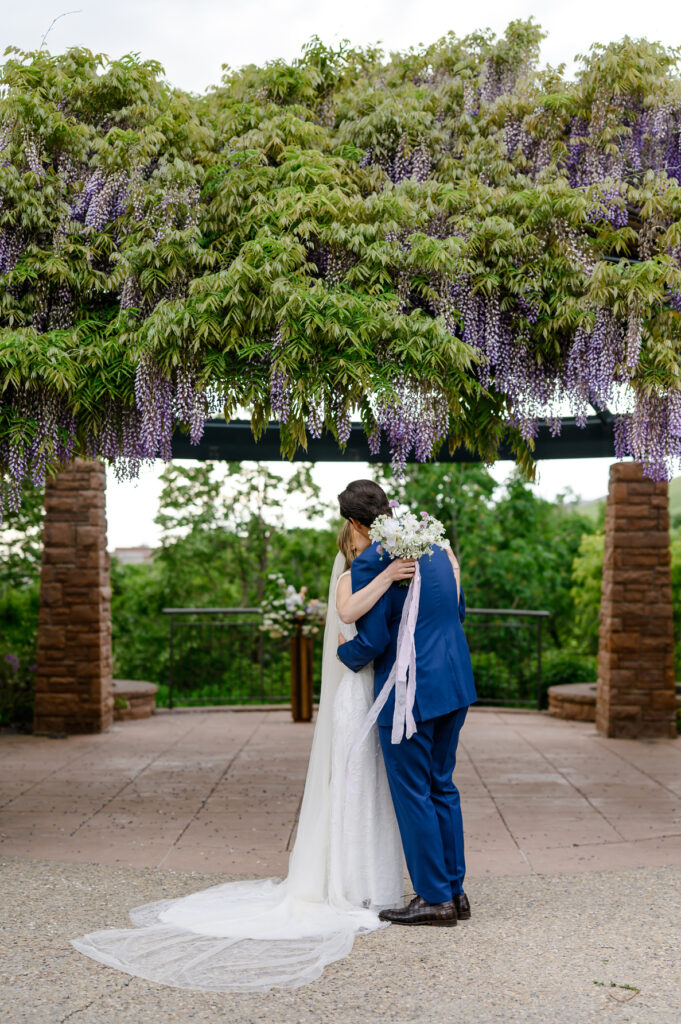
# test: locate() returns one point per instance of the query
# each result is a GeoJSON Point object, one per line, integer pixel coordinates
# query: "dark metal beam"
{"type": "Point", "coordinates": [234, 442]}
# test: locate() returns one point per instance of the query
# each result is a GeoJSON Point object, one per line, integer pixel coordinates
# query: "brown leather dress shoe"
{"type": "Point", "coordinates": [463, 907]}
{"type": "Point", "coordinates": [439, 915]}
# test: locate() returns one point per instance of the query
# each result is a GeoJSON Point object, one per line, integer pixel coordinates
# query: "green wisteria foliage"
{"type": "Point", "coordinates": [454, 242]}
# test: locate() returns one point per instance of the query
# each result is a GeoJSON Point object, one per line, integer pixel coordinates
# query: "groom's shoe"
{"type": "Point", "coordinates": [440, 915]}
{"type": "Point", "coordinates": [463, 907]}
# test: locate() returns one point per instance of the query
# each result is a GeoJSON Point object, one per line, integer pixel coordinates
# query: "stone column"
{"type": "Point", "coordinates": [74, 692]}
{"type": "Point", "coordinates": [636, 680]}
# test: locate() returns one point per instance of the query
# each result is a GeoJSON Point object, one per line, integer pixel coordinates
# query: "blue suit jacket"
{"type": "Point", "coordinates": [444, 675]}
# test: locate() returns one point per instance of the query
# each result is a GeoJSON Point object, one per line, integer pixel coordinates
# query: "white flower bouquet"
{"type": "Point", "coordinates": [406, 535]}
{"type": "Point", "coordinates": [403, 535]}
{"type": "Point", "coordinates": [286, 610]}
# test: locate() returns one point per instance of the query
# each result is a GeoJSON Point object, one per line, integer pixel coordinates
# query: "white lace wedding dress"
{"type": "Point", "coordinates": [346, 864]}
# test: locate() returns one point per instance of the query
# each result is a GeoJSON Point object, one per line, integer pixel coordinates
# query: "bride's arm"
{"type": "Point", "coordinates": [352, 606]}
{"type": "Point", "coordinates": [457, 570]}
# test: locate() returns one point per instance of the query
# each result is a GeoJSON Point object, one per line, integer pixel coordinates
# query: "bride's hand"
{"type": "Point", "coordinates": [400, 569]}
{"type": "Point", "coordinates": [341, 639]}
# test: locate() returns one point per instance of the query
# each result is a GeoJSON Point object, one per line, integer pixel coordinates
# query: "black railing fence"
{"type": "Point", "coordinates": [506, 652]}
{"type": "Point", "coordinates": [221, 656]}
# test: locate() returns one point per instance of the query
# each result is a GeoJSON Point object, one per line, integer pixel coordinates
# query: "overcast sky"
{"type": "Point", "coordinates": [194, 39]}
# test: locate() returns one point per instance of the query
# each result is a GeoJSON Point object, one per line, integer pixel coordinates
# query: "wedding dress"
{"type": "Point", "coordinates": [345, 866]}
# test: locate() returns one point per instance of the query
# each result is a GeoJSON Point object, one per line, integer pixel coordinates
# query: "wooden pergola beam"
{"type": "Point", "coordinates": [234, 442]}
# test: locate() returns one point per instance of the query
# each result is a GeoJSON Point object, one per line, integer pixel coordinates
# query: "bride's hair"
{"type": "Point", "coordinates": [345, 545]}
{"type": "Point", "coordinates": [364, 500]}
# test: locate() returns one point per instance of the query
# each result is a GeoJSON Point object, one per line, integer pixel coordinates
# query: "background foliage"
{"type": "Point", "coordinates": [223, 531]}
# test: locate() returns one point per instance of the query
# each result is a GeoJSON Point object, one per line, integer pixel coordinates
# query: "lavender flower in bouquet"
{"type": "Point", "coordinates": [406, 535]}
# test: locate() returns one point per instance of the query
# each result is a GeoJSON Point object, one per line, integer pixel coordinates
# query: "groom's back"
{"type": "Point", "coordinates": [444, 676]}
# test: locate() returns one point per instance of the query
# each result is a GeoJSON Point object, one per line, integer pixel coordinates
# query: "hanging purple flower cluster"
{"type": "Point", "coordinates": [508, 363]}
{"type": "Point", "coordinates": [609, 204]}
{"type": "Point", "coordinates": [162, 401]}
{"type": "Point", "coordinates": [12, 245]}
{"type": "Point", "coordinates": [280, 385]}
{"type": "Point", "coordinates": [315, 419]}
{"type": "Point", "coordinates": [405, 161]}
{"type": "Point", "coordinates": [133, 436]}
{"type": "Point", "coordinates": [651, 434]}
{"type": "Point", "coordinates": [413, 419]}
{"type": "Point", "coordinates": [47, 429]}
{"type": "Point", "coordinates": [498, 79]}
{"type": "Point", "coordinates": [650, 139]}
{"type": "Point", "coordinates": [413, 164]}
{"type": "Point", "coordinates": [179, 209]}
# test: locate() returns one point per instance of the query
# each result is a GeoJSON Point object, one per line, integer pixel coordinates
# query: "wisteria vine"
{"type": "Point", "coordinates": [453, 243]}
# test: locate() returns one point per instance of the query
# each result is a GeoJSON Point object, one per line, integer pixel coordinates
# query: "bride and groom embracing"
{"type": "Point", "coordinates": [370, 794]}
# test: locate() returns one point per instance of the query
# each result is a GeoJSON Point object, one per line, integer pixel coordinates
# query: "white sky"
{"type": "Point", "coordinates": [193, 39]}
{"type": "Point", "coordinates": [131, 507]}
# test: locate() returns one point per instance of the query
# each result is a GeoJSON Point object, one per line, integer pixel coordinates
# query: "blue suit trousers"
{"type": "Point", "coordinates": [427, 804]}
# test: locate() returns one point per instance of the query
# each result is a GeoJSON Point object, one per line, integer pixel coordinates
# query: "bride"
{"type": "Point", "coordinates": [345, 866]}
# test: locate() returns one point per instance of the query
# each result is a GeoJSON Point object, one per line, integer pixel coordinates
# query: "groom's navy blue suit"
{"type": "Point", "coordinates": [420, 769]}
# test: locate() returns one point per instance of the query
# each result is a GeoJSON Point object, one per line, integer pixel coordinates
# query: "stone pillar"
{"type": "Point", "coordinates": [74, 691]}
{"type": "Point", "coordinates": [636, 680]}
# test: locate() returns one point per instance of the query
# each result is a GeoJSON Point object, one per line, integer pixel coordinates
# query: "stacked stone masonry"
{"type": "Point", "coordinates": [636, 679]}
{"type": "Point", "coordinates": [575, 701]}
{"type": "Point", "coordinates": [74, 672]}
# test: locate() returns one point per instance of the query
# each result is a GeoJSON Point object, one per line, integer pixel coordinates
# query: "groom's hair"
{"type": "Point", "coordinates": [363, 500]}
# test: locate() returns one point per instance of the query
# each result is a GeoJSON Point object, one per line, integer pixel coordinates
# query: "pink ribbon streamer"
{"type": "Point", "coordinates": [404, 681]}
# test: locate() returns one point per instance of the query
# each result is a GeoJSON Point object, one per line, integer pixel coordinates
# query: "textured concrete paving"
{"type": "Point", "coordinates": [566, 949]}
{"type": "Point", "coordinates": [574, 847]}
{"type": "Point", "coordinates": [219, 791]}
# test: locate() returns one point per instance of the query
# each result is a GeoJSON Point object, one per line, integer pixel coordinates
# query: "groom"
{"type": "Point", "coordinates": [419, 769]}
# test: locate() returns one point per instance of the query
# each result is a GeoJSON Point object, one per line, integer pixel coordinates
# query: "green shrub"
{"type": "Point", "coordinates": [567, 666]}
{"type": "Point", "coordinates": [19, 623]}
{"type": "Point", "coordinates": [17, 684]}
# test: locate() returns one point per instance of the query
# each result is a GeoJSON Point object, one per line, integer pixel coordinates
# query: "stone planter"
{"type": "Point", "coordinates": [133, 699]}
{"type": "Point", "coordinates": [573, 700]}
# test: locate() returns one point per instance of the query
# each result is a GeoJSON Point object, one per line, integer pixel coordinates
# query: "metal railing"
{"type": "Point", "coordinates": [506, 653]}
{"type": "Point", "coordinates": [221, 656]}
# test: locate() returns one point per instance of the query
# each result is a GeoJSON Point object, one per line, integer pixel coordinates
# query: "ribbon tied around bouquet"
{"type": "Point", "coordinates": [402, 676]}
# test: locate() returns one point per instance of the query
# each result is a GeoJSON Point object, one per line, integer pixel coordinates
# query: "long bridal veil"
{"type": "Point", "coordinates": [253, 935]}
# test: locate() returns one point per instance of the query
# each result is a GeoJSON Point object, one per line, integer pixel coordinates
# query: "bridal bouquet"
{"type": "Point", "coordinates": [403, 535]}
{"type": "Point", "coordinates": [406, 535]}
{"type": "Point", "coordinates": [285, 610]}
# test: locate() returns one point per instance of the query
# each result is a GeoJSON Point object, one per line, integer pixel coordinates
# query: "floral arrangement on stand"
{"type": "Point", "coordinates": [285, 610]}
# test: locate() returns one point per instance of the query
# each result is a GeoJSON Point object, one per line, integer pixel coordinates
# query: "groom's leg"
{"type": "Point", "coordinates": [408, 765]}
{"type": "Point", "coordinates": [446, 796]}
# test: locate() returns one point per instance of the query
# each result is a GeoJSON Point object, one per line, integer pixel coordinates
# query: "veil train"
{"type": "Point", "coordinates": [254, 935]}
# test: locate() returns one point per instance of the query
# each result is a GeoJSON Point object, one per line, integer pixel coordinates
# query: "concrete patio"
{"type": "Point", "coordinates": [219, 791]}
{"type": "Point", "coordinates": [573, 846]}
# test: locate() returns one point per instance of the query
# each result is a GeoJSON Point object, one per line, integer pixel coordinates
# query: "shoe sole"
{"type": "Point", "coordinates": [431, 924]}
{"type": "Point", "coordinates": [466, 916]}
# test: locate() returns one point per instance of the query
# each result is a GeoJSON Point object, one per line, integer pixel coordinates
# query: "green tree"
{"type": "Point", "coordinates": [220, 538]}
{"type": "Point", "coordinates": [21, 542]}
{"type": "Point", "coordinates": [459, 494]}
{"type": "Point", "coordinates": [587, 572]}
{"type": "Point", "coordinates": [516, 550]}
